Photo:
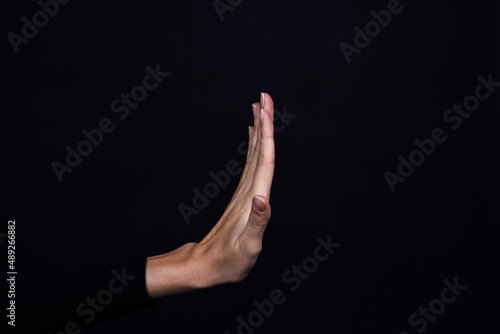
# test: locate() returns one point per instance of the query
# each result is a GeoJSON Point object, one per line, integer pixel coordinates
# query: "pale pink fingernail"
{"type": "Point", "coordinates": [259, 204]}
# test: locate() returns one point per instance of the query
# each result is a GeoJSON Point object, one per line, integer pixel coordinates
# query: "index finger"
{"type": "Point", "coordinates": [263, 176]}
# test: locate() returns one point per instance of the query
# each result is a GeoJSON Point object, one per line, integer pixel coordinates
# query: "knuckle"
{"type": "Point", "coordinates": [258, 222]}
{"type": "Point", "coordinates": [254, 249]}
{"type": "Point", "coordinates": [262, 160]}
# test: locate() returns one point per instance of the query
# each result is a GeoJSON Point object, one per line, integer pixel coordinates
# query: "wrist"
{"type": "Point", "coordinates": [167, 274]}
{"type": "Point", "coordinates": [183, 270]}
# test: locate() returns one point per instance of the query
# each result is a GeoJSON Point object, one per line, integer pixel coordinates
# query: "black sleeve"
{"type": "Point", "coordinates": [80, 298]}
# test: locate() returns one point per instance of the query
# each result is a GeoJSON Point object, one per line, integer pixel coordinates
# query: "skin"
{"type": "Point", "coordinates": [229, 251]}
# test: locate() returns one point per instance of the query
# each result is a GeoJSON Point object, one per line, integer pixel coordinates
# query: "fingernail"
{"type": "Point", "coordinates": [262, 100]}
{"type": "Point", "coordinates": [259, 204]}
{"type": "Point", "coordinates": [250, 132]}
{"type": "Point", "coordinates": [254, 109]}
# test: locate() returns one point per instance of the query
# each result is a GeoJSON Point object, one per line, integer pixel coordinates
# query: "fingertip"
{"type": "Point", "coordinates": [266, 124]}
{"type": "Point", "coordinates": [259, 204]}
{"type": "Point", "coordinates": [257, 222]}
{"type": "Point", "coordinates": [255, 110]}
{"type": "Point", "coordinates": [269, 105]}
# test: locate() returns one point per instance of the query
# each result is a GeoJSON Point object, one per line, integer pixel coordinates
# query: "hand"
{"type": "Point", "coordinates": [229, 251]}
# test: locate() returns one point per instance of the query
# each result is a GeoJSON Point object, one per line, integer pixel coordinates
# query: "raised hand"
{"type": "Point", "coordinates": [229, 251]}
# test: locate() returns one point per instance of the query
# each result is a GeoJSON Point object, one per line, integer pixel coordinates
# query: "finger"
{"type": "Point", "coordinates": [251, 134]}
{"type": "Point", "coordinates": [252, 164]}
{"type": "Point", "coordinates": [257, 119]}
{"type": "Point", "coordinates": [267, 104]}
{"type": "Point", "coordinates": [251, 131]}
{"type": "Point", "coordinates": [252, 142]}
{"type": "Point", "coordinates": [251, 238]}
{"type": "Point", "coordinates": [265, 159]}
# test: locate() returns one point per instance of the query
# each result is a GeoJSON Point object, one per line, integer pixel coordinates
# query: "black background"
{"type": "Point", "coordinates": [353, 121]}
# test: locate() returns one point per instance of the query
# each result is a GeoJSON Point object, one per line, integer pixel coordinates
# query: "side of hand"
{"type": "Point", "coordinates": [229, 251]}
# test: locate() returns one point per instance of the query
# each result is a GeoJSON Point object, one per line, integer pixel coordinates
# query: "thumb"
{"type": "Point", "coordinates": [257, 222]}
